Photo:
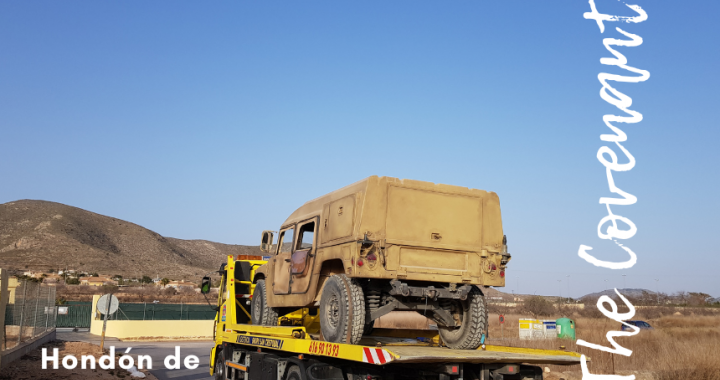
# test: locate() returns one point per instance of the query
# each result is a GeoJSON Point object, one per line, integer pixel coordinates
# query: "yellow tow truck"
{"type": "Point", "coordinates": [295, 350]}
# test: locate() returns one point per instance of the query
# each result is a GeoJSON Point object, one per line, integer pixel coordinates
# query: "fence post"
{"type": "Point", "coordinates": [22, 312]}
{"type": "Point", "coordinates": [37, 303]}
{"type": "Point", "coordinates": [144, 307]}
{"type": "Point", "coordinates": [4, 295]}
{"type": "Point", "coordinates": [181, 310]}
{"type": "Point", "coordinates": [47, 315]}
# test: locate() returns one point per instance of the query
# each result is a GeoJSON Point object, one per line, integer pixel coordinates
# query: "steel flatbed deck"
{"type": "Point", "coordinates": [383, 352]}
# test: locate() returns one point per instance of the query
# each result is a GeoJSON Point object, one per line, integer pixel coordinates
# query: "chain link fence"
{"type": "Point", "coordinates": [30, 312]}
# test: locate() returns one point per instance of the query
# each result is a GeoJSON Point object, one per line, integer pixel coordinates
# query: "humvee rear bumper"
{"type": "Point", "coordinates": [431, 292]}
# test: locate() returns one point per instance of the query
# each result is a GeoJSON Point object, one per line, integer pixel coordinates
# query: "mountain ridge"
{"type": "Point", "coordinates": [44, 235]}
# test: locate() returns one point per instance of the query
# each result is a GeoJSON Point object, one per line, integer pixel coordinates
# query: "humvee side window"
{"type": "Point", "coordinates": [307, 231]}
{"type": "Point", "coordinates": [286, 240]}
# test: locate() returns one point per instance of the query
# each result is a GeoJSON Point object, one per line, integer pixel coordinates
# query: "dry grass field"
{"type": "Point", "coordinates": [680, 347]}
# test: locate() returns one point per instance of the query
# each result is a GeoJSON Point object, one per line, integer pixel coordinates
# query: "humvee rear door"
{"type": "Point", "coordinates": [420, 222]}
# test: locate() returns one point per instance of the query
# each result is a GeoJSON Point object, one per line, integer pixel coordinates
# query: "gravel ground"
{"type": "Point", "coordinates": [30, 365]}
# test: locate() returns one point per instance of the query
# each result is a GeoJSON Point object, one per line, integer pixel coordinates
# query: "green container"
{"type": "Point", "coordinates": [565, 328]}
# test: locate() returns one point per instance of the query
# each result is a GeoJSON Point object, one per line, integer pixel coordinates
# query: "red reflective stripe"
{"type": "Point", "coordinates": [368, 355]}
{"type": "Point", "coordinates": [380, 355]}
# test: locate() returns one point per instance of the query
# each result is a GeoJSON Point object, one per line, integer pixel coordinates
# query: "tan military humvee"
{"type": "Point", "coordinates": [385, 244]}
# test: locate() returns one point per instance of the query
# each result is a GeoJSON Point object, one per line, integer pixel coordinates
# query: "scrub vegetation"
{"type": "Point", "coordinates": [681, 346]}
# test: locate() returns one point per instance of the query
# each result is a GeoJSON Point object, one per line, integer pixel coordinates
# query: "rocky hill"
{"type": "Point", "coordinates": [629, 293]}
{"type": "Point", "coordinates": [41, 235]}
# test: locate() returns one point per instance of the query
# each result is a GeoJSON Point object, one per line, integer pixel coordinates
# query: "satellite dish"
{"type": "Point", "coordinates": [102, 304]}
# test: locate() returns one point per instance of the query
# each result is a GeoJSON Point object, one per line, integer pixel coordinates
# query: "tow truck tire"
{"type": "Point", "coordinates": [219, 370]}
{"type": "Point", "coordinates": [335, 302]}
{"type": "Point", "coordinates": [262, 314]}
{"type": "Point", "coordinates": [293, 373]}
{"type": "Point", "coordinates": [473, 313]}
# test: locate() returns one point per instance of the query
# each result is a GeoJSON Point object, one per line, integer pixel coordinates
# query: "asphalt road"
{"type": "Point", "coordinates": [158, 351]}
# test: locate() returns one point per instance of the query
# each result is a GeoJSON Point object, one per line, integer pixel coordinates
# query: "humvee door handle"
{"type": "Point", "coordinates": [287, 260]}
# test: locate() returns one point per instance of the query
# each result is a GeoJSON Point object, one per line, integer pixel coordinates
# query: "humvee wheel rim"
{"type": "Point", "coordinates": [333, 311]}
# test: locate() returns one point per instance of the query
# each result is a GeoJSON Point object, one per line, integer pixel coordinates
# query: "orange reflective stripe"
{"type": "Point", "coordinates": [235, 365]}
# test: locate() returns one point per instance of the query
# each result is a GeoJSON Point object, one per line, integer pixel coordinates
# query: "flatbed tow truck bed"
{"type": "Point", "coordinates": [251, 352]}
{"type": "Point", "coordinates": [376, 357]}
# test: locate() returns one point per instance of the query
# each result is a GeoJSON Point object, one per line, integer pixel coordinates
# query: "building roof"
{"type": "Point", "coordinates": [96, 279]}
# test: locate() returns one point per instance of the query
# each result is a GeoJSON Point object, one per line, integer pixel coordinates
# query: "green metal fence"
{"type": "Point", "coordinates": [78, 314]}
{"type": "Point", "coordinates": [74, 314]}
{"type": "Point", "coordinates": [157, 311]}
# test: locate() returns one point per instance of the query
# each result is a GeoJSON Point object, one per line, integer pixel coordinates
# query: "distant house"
{"type": "Point", "coordinates": [181, 284]}
{"type": "Point", "coordinates": [52, 278]}
{"type": "Point", "coordinates": [32, 274]}
{"type": "Point", "coordinates": [96, 281]}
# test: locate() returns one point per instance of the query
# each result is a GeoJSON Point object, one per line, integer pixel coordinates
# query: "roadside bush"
{"type": "Point", "coordinates": [538, 306]}
{"type": "Point", "coordinates": [499, 308]}
{"type": "Point", "coordinates": [590, 311]}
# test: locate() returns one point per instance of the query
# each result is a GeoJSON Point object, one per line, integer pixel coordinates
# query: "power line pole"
{"type": "Point", "coordinates": [560, 288]}
{"type": "Point", "coordinates": [568, 282]}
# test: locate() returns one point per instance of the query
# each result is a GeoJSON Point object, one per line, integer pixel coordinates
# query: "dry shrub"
{"type": "Point", "coordinates": [500, 308]}
{"type": "Point", "coordinates": [685, 322]}
{"type": "Point", "coordinates": [706, 311]}
{"type": "Point", "coordinates": [538, 306]}
{"type": "Point", "coordinates": [653, 312]}
{"type": "Point", "coordinates": [139, 294]}
{"type": "Point", "coordinates": [590, 311]}
{"type": "Point", "coordinates": [567, 311]}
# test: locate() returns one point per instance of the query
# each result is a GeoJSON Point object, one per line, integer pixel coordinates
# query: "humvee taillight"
{"type": "Point", "coordinates": [371, 257]}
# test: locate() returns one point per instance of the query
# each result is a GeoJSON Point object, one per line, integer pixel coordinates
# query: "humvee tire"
{"type": "Point", "coordinates": [262, 314]}
{"type": "Point", "coordinates": [474, 320]}
{"type": "Point", "coordinates": [336, 323]}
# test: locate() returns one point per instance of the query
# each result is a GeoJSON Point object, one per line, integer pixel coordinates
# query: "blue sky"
{"type": "Point", "coordinates": [216, 120]}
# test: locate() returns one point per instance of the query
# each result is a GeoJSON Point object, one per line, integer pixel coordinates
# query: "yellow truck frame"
{"type": "Point", "coordinates": [248, 264]}
{"type": "Point", "coordinates": [251, 352]}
